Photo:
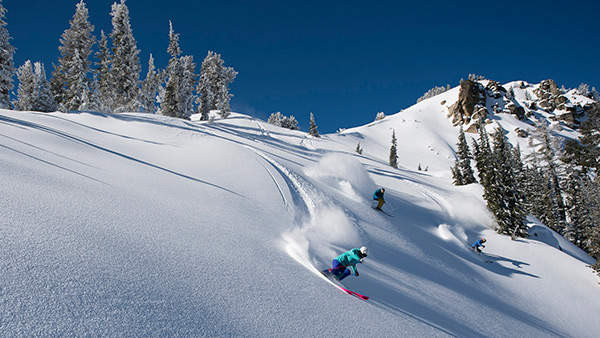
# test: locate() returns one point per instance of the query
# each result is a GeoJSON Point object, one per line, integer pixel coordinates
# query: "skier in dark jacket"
{"type": "Point", "coordinates": [345, 264]}
{"type": "Point", "coordinates": [479, 243]}
{"type": "Point", "coordinates": [378, 196]}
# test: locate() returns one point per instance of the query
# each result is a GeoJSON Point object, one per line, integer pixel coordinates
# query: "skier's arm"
{"type": "Point", "coordinates": [353, 269]}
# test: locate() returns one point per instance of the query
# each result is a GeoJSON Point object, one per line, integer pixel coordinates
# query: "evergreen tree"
{"type": "Point", "coordinates": [125, 69]}
{"type": "Point", "coordinates": [103, 86]}
{"type": "Point", "coordinates": [150, 88]}
{"type": "Point", "coordinates": [187, 82]}
{"type": "Point", "coordinates": [26, 87]}
{"type": "Point", "coordinates": [70, 80]}
{"type": "Point", "coordinates": [170, 100]}
{"type": "Point", "coordinates": [508, 205]}
{"type": "Point", "coordinates": [213, 87]}
{"type": "Point", "coordinates": [290, 123]}
{"type": "Point", "coordinates": [45, 100]}
{"type": "Point", "coordinates": [483, 157]}
{"type": "Point", "coordinates": [275, 119]}
{"type": "Point", "coordinates": [359, 150]}
{"type": "Point", "coordinates": [393, 151]}
{"type": "Point", "coordinates": [547, 157]}
{"type": "Point", "coordinates": [170, 104]}
{"type": "Point", "coordinates": [456, 174]}
{"type": "Point", "coordinates": [464, 160]}
{"type": "Point", "coordinates": [312, 130]}
{"type": "Point", "coordinates": [7, 66]}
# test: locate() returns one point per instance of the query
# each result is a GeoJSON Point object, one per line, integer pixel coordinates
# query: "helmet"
{"type": "Point", "coordinates": [363, 251]}
{"type": "Point", "coordinates": [382, 189]}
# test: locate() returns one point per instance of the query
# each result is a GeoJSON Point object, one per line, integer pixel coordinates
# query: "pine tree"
{"type": "Point", "coordinates": [393, 151]}
{"type": "Point", "coordinates": [275, 119]}
{"type": "Point", "coordinates": [26, 87]}
{"type": "Point", "coordinates": [359, 149]}
{"type": "Point", "coordinates": [70, 78]}
{"type": "Point", "coordinates": [77, 93]}
{"type": "Point", "coordinates": [548, 157]}
{"type": "Point", "coordinates": [7, 66]}
{"type": "Point", "coordinates": [45, 100]}
{"type": "Point", "coordinates": [213, 86]}
{"type": "Point", "coordinates": [313, 126]}
{"type": "Point", "coordinates": [508, 204]}
{"type": "Point", "coordinates": [125, 69]}
{"type": "Point", "coordinates": [170, 100]}
{"type": "Point", "coordinates": [464, 160]}
{"type": "Point", "coordinates": [150, 88]}
{"type": "Point", "coordinates": [103, 82]}
{"type": "Point", "coordinates": [456, 174]}
{"type": "Point", "coordinates": [187, 82]}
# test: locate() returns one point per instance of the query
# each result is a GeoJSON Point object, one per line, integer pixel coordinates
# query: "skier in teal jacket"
{"type": "Point", "coordinates": [345, 264]}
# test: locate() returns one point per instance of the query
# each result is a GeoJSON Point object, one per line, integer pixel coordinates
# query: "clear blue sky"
{"type": "Point", "coordinates": [343, 60]}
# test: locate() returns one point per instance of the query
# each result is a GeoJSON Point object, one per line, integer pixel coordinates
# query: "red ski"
{"type": "Point", "coordinates": [329, 277]}
{"type": "Point", "coordinates": [350, 292]}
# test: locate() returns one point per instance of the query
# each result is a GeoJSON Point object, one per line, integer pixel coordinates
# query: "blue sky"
{"type": "Point", "coordinates": [343, 60]}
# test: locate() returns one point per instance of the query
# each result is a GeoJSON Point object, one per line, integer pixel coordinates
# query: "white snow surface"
{"type": "Point", "coordinates": [135, 224]}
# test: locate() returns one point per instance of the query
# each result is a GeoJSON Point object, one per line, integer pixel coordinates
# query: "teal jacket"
{"type": "Point", "coordinates": [349, 259]}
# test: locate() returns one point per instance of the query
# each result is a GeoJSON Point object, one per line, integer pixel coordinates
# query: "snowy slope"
{"type": "Point", "coordinates": [136, 224]}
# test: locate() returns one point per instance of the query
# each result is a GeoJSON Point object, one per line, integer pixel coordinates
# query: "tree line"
{"type": "Point", "coordinates": [104, 74]}
{"type": "Point", "coordinates": [558, 182]}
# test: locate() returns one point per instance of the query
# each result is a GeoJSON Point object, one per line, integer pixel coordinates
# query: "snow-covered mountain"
{"type": "Point", "coordinates": [135, 224]}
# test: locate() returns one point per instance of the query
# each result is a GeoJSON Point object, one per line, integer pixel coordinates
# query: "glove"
{"type": "Point", "coordinates": [483, 246]}
{"type": "Point", "coordinates": [357, 274]}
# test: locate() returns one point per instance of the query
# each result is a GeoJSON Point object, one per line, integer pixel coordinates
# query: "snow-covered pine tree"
{"type": "Point", "coordinates": [313, 126]}
{"type": "Point", "coordinates": [457, 178]}
{"type": "Point", "coordinates": [464, 159]}
{"type": "Point", "coordinates": [77, 93]}
{"type": "Point", "coordinates": [508, 207]}
{"type": "Point", "coordinates": [275, 119]}
{"type": "Point", "coordinates": [483, 156]}
{"type": "Point", "coordinates": [169, 100]}
{"type": "Point", "coordinates": [103, 82]}
{"type": "Point", "coordinates": [590, 140]}
{"type": "Point", "coordinates": [25, 88]}
{"type": "Point", "coordinates": [125, 69]}
{"type": "Point", "coordinates": [187, 83]}
{"type": "Point", "coordinates": [45, 100]}
{"type": "Point", "coordinates": [548, 156]}
{"type": "Point", "coordinates": [150, 88]}
{"type": "Point", "coordinates": [7, 66]}
{"type": "Point", "coordinates": [575, 205]}
{"type": "Point", "coordinates": [393, 151]}
{"type": "Point", "coordinates": [289, 122]}
{"type": "Point", "coordinates": [213, 86]}
{"type": "Point", "coordinates": [75, 49]}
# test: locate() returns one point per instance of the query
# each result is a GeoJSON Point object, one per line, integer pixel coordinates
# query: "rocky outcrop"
{"type": "Point", "coordinates": [516, 110]}
{"type": "Point", "coordinates": [470, 104]}
{"type": "Point", "coordinates": [550, 97]}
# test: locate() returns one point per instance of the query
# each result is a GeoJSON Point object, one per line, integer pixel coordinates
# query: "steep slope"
{"type": "Point", "coordinates": [133, 224]}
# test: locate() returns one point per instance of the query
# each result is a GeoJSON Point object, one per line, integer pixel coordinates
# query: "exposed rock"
{"type": "Point", "coordinates": [443, 102]}
{"type": "Point", "coordinates": [533, 105]}
{"type": "Point", "coordinates": [471, 94]}
{"type": "Point", "coordinates": [568, 118]}
{"type": "Point", "coordinates": [521, 132]}
{"type": "Point", "coordinates": [517, 111]}
{"type": "Point", "coordinates": [495, 89]}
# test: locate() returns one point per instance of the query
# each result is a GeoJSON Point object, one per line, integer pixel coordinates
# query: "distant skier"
{"type": "Point", "coordinates": [479, 243]}
{"type": "Point", "coordinates": [378, 196]}
{"type": "Point", "coordinates": [345, 264]}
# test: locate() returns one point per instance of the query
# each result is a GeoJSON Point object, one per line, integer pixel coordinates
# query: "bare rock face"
{"type": "Point", "coordinates": [518, 111]}
{"type": "Point", "coordinates": [521, 132]}
{"type": "Point", "coordinates": [471, 94]}
{"type": "Point", "coordinates": [550, 97]}
{"type": "Point", "coordinates": [494, 89]}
